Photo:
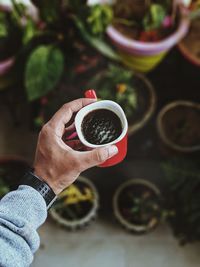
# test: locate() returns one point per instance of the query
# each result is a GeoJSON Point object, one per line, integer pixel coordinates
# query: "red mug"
{"type": "Point", "coordinates": [120, 142]}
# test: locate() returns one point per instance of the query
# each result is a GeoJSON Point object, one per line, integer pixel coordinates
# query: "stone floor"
{"type": "Point", "coordinates": [104, 243]}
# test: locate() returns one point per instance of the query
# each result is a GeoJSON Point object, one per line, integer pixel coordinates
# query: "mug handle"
{"type": "Point", "coordinates": [90, 93]}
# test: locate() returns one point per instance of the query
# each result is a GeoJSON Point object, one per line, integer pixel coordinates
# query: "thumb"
{"type": "Point", "coordinates": [97, 156]}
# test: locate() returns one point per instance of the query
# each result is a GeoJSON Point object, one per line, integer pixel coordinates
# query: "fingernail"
{"type": "Point", "coordinates": [112, 150]}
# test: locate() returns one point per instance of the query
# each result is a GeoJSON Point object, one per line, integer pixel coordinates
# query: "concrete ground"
{"type": "Point", "coordinates": [104, 243]}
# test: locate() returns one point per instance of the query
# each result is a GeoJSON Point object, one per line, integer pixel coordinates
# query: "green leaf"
{"type": "Point", "coordinates": [100, 17]}
{"type": "Point", "coordinates": [3, 30]}
{"type": "Point", "coordinates": [29, 31]}
{"type": "Point", "coordinates": [154, 18]}
{"type": "Point", "coordinates": [119, 74]}
{"type": "Point", "coordinates": [98, 43]}
{"type": "Point", "coordinates": [18, 11]}
{"type": "Point", "coordinates": [3, 26]}
{"type": "Point", "coordinates": [107, 85]}
{"type": "Point", "coordinates": [43, 71]}
{"type": "Point", "coordinates": [49, 9]}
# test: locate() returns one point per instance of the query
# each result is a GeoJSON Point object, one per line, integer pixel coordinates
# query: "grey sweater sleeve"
{"type": "Point", "coordinates": [21, 213]}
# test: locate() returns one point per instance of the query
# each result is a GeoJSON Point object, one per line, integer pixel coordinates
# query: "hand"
{"type": "Point", "coordinates": [57, 163]}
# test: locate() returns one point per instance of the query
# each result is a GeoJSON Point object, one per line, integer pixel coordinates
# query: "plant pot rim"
{"type": "Point", "coordinates": [141, 48]}
{"type": "Point", "coordinates": [161, 131]}
{"type": "Point", "coordinates": [133, 127]}
{"type": "Point", "coordinates": [72, 225]}
{"type": "Point", "coordinates": [188, 55]}
{"type": "Point", "coordinates": [130, 226]}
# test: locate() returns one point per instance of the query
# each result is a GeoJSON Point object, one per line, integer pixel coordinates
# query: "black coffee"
{"type": "Point", "coordinates": [101, 126]}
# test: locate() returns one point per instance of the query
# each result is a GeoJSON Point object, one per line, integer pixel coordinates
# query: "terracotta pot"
{"type": "Point", "coordinates": [86, 219]}
{"type": "Point", "coordinates": [121, 209]}
{"type": "Point", "coordinates": [163, 115]}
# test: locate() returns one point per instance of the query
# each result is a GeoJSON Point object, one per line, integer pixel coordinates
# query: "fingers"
{"type": "Point", "coordinates": [97, 156]}
{"type": "Point", "coordinates": [64, 114]}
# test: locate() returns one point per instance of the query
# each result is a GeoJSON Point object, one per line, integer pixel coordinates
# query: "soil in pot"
{"type": "Point", "coordinates": [12, 171]}
{"type": "Point", "coordinates": [182, 126]}
{"type": "Point", "coordinates": [146, 21]}
{"type": "Point", "coordinates": [139, 207]}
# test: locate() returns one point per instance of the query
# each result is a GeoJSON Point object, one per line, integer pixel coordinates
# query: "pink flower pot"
{"type": "Point", "coordinates": [144, 56]}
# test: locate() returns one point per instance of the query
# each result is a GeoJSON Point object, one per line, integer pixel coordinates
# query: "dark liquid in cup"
{"type": "Point", "coordinates": [101, 126]}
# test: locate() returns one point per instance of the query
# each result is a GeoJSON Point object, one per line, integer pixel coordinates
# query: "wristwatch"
{"type": "Point", "coordinates": [43, 188]}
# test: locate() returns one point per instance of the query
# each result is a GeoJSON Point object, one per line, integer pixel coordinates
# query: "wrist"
{"type": "Point", "coordinates": [32, 180]}
{"type": "Point", "coordinates": [46, 177]}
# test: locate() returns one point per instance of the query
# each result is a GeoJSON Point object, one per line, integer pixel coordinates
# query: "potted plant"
{"type": "Point", "coordinates": [77, 205]}
{"type": "Point", "coordinates": [137, 205]}
{"type": "Point", "coordinates": [12, 170]}
{"type": "Point", "coordinates": [183, 180]}
{"type": "Point", "coordinates": [131, 90]}
{"type": "Point", "coordinates": [144, 31]}
{"type": "Point", "coordinates": [178, 126]}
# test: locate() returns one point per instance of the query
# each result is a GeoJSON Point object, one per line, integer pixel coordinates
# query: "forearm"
{"type": "Point", "coordinates": [21, 213]}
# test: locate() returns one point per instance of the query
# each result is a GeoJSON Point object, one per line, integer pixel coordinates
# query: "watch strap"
{"type": "Point", "coordinates": [43, 188]}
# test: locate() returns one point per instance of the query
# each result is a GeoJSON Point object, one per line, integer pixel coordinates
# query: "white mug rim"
{"type": "Point", "coordinates": [95, 106]}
